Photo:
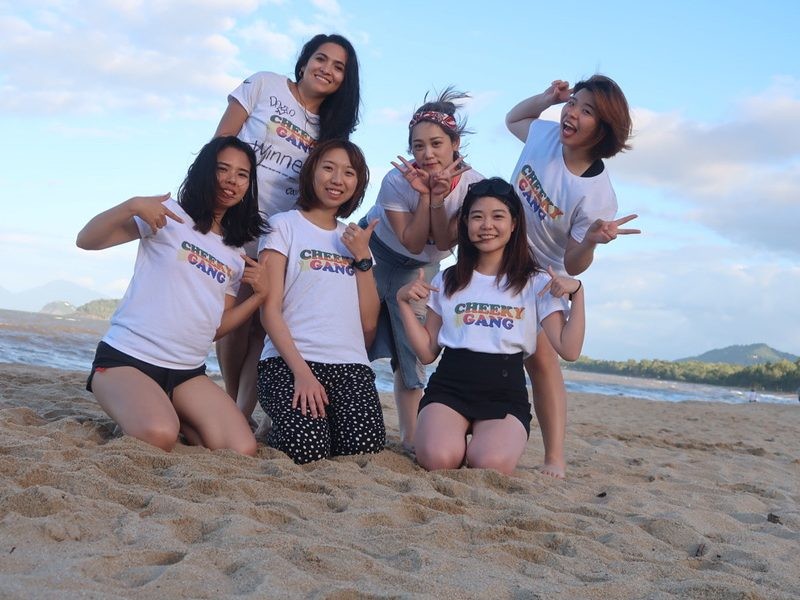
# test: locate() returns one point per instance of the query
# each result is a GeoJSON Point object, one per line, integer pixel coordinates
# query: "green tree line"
{"type": "Point", "coordinates": [779, 376]}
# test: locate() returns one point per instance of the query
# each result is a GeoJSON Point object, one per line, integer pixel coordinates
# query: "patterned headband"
{"type": "Point", "coordinates": [443, 119]}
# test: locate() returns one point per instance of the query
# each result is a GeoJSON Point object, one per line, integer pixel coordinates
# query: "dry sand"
{"type": "Point", "coordinates": [663, 500]}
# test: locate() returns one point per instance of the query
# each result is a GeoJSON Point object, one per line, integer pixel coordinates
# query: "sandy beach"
{"type": "Point", "coordinates": [663, 500]}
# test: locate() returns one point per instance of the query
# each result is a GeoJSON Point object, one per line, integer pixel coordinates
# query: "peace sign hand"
{"type": "Point", "coordinates": [558, 92]}
{"type": "Point", "coordinates": [418, 179]}
{"type": "Point", "coordinates": [419, 289]}
{"type": "Point", "coordinates": [441, 182]}
{"type": "Point", "coordinates": [602, 232]}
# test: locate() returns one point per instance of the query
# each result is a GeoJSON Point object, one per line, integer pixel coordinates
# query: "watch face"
{"type": "Point", "coordinates": [365, 264]}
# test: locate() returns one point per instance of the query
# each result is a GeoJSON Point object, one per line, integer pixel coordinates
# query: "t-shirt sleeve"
{"type": "Point", "coordinates": [393, 194]}
{"type": "Point", "coordinates": [547, 304]}
{"type": "Point", "coordinates": [249, 91]}
{"type": "Point", "coordinates": [279, 237]}
{"type": "Point", "coordinates": [601, 205]}
{"type": "Point", "coordinates": [435, 299]}
{"type": "Point", "coordinates": [235, 282]}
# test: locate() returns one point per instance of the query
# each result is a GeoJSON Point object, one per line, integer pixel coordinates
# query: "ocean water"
{"type": "Point", "coordinates": [69, 342]}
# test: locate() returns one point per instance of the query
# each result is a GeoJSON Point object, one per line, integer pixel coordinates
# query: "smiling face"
{"type": "Point", "coordinates": [489, 225]}
{"type": "Point", "coordinates": [579, 122]}
{"type": "Point", "coordinates": [335, 179]}
{"type": "Point", "coordinates": [432, 148]}
{"type": "Point", "coordinates": [323, 74]}
{"type": "Point", "coordinates": [233, 177]}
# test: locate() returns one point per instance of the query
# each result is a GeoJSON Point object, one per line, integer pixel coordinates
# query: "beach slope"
{"type": "Point", "coordinates": [663, 500]}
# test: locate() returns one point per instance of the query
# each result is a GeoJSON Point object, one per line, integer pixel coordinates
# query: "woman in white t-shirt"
{"type": "Point", "coordinates": [485, 311]}
{"type": "Point", "coordinates": [149, 370]}
{"type": "Point", "coordinates": [282, 120]}
{"type": "Point", "coordinates": [416, 210]}
{"type": "Point", "coordinates": [569, 206]}
{"type": "Point", "coordinates": [314, 377]}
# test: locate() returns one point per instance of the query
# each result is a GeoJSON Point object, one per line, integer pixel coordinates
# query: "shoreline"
{"type": "Point", "coordinates": [662, 500]}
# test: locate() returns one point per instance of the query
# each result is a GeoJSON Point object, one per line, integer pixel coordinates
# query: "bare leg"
{"type": "Point", "coordinates": [441, 441]}
{"type": "Point", "coordinates": [407, 401]}
{"type": "Point", "coordinates": [138, 405]}
{"type": "Point", "coordinates": [212, 414]}
{"type": "Point", "coordinates": [497, 444]}
{"type": "Point", "coordinates": [550, 404]}
{"type": "Point", "coordinates": [247, 397]}
{"type": "Point", "coordinates": [232, 349]}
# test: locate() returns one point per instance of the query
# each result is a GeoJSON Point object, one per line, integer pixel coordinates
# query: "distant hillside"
{"type": "Point", "coordinates": [32, 300]}
{"type": "Point", "coordinates": [746, 355]}
{"type": "Point", "coordinates": [102, 309]}
{"type": "Point", "coordinates": [59, 307]}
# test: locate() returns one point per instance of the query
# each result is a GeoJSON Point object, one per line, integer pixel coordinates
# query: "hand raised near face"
{"type": "Point", "coordinates": [418, 179]}
{"type": "Point", "coordinates": [441, 182]}
{"type": "Point", "coordinates": [558, 92]}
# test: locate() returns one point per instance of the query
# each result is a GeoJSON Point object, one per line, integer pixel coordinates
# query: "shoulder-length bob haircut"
{"type": "Point", "coordinates": [338, 114]}
{"type": "Point", "coordinates": [197, 195]}
{"type": "Point", "coordinates": [613, 115]}
{"type": "Point", "coordinates": [308, 197]}
{"type": "Point", "coordinates": [518, 264]}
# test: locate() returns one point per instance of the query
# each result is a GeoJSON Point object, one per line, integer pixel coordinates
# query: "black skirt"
{"type": "Point", "coordinates": [480, 386]}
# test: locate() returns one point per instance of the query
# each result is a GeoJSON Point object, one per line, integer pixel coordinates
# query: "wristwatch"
{"type": "Point", "coordinates": [365, 264]}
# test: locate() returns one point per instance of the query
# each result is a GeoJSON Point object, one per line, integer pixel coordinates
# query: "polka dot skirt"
{"type": "Point", "coordinates": [354, 420]}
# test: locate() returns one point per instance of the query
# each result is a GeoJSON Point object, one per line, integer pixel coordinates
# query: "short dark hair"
{"type": "Point", "coordinates": [613, 115]}
{"type": "Point", "coordinates": [308, 197]}
{"type": "Point", "coordinates": [518, 264]}
{"type": "Point", "coordinates": [197, 195]}
{"type": "Point", "coordinates": [338, 114]}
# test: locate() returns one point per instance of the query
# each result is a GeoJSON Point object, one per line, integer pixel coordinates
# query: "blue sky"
{"type": "Point", "coordinates": [104, 100]}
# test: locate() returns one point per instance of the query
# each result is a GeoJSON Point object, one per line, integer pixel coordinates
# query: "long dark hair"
{"type": "Point", "coordinates": [197, 195]}
{"type": "Point", "coordinates": [308, 197]}
{"type": "Point", "coordinates": [518, 264]}
{"type": "Point", "coordinates": [338, 114]}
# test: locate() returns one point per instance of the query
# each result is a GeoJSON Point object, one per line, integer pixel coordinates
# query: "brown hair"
{"type": "Point", "coordinates": [613, 115]}
{"type": "Point", "coordinates": [308, 197]}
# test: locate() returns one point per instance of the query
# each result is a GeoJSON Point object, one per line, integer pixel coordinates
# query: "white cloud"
{"type": "Point", "coordinates": [329, 7]}
{"type": "Point", "coordinates": [685, 300]}
{"type": "Point", "coordinates": [262, 35]}
{"type": "Point", "coordinates": [740, 177]}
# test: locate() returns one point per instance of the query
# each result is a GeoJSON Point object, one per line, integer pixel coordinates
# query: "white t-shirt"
{"type": "Point", "coordinates": [174, 302]}
{"type": "Point", "coordinates": [320, 294]}
{"type": "Point", "coordinates": [281, 132]}
{"type": "Point", "coordinates": [396, 194]}
{"type": "Point", "coordinates": [558, 204]}
{"type": "Point", "coordinates": [483, 317]}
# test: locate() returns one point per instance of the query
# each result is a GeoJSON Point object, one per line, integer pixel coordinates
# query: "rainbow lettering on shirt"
{"type": "Point", "coordinates": [293, 134]}
{"type": "Point", "coordinates": [207, 263]}
{"type": "Point", "coordinates": [488, 315]}
{"type": "Point", "coordinates": [532, 192]}
{"type": "Point", "coordinates": [330, 262]}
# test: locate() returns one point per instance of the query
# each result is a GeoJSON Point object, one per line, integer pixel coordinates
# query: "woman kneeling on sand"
{"type": "Point", "coordinates": [314, 378]}
{"type": "Point", "coordinates": [149, 370]}
{"type": "Point", "coordinates": [485, 311]}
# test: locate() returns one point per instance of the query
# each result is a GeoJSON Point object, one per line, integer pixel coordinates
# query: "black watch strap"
{"type": "Point", "coordinates": [365, 264]}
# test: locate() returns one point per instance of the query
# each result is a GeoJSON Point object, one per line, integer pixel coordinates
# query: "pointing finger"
{"type": "Point", "coordinates": [628, 231]}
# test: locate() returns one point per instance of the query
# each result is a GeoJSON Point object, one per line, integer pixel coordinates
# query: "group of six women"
{"type": "Point", "coordinates": [255, 255]}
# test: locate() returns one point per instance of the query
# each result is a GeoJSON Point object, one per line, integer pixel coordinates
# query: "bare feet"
{"type": "Point", "coordinates": [555, 469]}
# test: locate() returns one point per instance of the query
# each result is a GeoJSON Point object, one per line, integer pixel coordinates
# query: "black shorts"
{"type": "Point", "coordinates": [480, 386]}
{"type": "Point", "coordinates": [108, 357]}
